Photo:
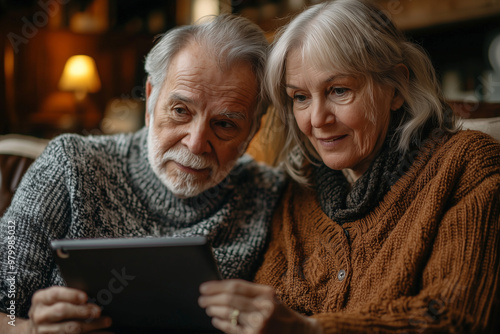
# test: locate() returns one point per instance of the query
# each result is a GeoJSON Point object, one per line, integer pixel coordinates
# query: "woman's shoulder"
{"type": "Point", "coordinates": [463, 161]}
{"type": "Point", "coordinates": [459, 161]}
{"type": "Point", "coordinates": [473, 137]}
{"type": "Point", "coordinates": [470, 146]}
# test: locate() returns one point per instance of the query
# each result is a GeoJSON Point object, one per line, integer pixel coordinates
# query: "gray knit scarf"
{"type": "Point", "coordinates": [344, 204]}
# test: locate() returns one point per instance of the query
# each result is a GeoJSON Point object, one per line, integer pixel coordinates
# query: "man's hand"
{"type": "Point", "coordinates": [63, 310]}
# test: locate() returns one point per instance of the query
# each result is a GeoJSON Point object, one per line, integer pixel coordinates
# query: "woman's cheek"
{"type": "Point", "coordinates": [303, 122]}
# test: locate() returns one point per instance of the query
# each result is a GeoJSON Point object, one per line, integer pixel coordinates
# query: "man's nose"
{"type": "Point", "coordinates": [321, 114]}
{"type": "Point", "coordinates": [197, 140]}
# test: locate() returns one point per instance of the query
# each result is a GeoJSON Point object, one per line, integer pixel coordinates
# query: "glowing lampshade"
{"type": "Point", "coordinates": [80, 76]}
{"type": "Point", "coordinates": [203, 8]}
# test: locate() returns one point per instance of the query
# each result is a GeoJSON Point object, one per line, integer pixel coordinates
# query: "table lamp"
{"type": "Point", "coordinates": [80, 76]}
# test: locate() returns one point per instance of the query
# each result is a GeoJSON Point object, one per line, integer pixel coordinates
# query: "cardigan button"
{"type": "Point", "coordinates": [346, 232]}
{"type": "Point", "coordinates": [341, 275]}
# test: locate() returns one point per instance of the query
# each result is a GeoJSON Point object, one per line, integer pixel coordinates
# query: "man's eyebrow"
{"type": "Point", "coordinates": [225, 113]}
{"type": "Point", "coordinates": [178, 97]}
{"type": "Point", "coordinates": [233, 115]}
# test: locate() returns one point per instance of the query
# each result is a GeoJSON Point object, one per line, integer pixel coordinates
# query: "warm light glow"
{"type": "Point", "coordinates": [80, 75]}
{"type": "Point", "coordinates": [203, 8]}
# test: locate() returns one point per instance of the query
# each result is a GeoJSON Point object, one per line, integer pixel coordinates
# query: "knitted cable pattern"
{"type": "Point", "coordinates": [425, 258]}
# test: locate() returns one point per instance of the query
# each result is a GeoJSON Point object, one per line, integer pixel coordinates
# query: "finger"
{"type": "Point", "coordinates": [236, 286]}
{"type": "Point", "coordinates": [226, 326]}
{"type": "Point", "coordinates": [65, 311]}
{"type": "Point", "coordinates": [57, 294]}
{"type": "Point", "coordinates": [218, 312]}
{"type": "Point", "coordinates": [265, 307]}
{"type": "Point", "coordinates": [74, 327]}
{"type": "Point", "coordinates": [254, 319]}
{"type": "Point", "coordinates": [227, 300]}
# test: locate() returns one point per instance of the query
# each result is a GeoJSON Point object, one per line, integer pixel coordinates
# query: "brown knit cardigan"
{"type": "Point", "coordinates": [426, 259]}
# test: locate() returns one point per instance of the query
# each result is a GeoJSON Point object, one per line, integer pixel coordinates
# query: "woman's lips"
{"type": "Point", "coordinates": [331, 141]}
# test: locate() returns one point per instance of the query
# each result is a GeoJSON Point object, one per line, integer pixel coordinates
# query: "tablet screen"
{"type": "Point", "coordinates": [143, 284]}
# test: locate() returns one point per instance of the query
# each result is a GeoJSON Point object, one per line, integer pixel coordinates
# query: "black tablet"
{"type": "Point", "coordinates": [146, 285]}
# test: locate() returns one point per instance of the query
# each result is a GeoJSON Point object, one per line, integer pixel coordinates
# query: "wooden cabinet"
{"type": "Point", "coordinates": [416, 14]}
{"type": "Point", "coordinates": [407, 14]}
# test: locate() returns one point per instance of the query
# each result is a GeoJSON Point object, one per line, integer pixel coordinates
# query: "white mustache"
{"type": "Point", "coordinates": [184, 157]}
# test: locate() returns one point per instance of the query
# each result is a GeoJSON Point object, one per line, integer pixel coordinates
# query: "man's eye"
{"type": "Point", "coordinates": [225, 124]}
{"type": "Point", "coordinates": [225, 130]}
{"type": "Point", "coordinates": [180, 111]}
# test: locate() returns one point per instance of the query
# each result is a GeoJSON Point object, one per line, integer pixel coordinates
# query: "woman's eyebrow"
{"type": "Point", "coordinates": [339, 76]}
{"type": "Point", "coordinates": [330, 79]}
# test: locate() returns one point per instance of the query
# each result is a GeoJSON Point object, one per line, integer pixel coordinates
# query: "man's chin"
{"type": "Point", "coordinates": [186, 194]}
{"type": "Point", "coordinates": [186, 189]}
{"type": "Point", "coordinates": [186, 185]}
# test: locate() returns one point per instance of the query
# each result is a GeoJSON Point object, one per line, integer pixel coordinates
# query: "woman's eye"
{"type": "Point", "coordinates": [299, 98]}
{"type": "Point", "coordinates": [339, 91]}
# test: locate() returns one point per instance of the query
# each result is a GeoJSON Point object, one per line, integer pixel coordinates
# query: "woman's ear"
{"type": "Point", "coordinates": [398, 99]}
{"type": "Point", "coordinates": [149, 87]}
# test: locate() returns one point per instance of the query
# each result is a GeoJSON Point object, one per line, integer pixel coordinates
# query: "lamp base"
{"type": "Point", "coordinates": [62, 112]}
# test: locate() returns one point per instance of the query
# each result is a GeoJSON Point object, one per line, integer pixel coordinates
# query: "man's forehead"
{"type": "Point", "coordinates": [195, 78]}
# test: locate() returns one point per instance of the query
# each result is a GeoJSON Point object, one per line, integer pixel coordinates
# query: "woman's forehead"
{"type": "Point", "coordinates": [296, 65]}
{"type": "Point", "coordinates": [321, 60]}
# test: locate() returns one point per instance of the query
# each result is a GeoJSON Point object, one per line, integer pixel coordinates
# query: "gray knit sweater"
{"type": "Point", "coordinates": [103, 186]}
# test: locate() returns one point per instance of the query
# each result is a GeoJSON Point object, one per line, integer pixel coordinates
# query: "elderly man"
{"type": "Point", "coordinates": [181, 175]}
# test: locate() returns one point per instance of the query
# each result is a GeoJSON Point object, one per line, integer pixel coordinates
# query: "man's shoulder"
{"type": "Point", "coordinates": [260, 175]}
{"type": "Point", "coordinates": [97, 142]}
{"type": "Point", "coordinates": [74, 146]}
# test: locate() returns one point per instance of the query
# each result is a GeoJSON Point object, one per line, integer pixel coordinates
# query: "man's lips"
{"type": "Point", "coordinates": [188, 169]}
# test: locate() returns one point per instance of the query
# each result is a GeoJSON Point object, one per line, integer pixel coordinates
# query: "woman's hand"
{"type": "Point", "coordinates": [64, 310]}
{"type": "Point", "coordinates": [238, 306]}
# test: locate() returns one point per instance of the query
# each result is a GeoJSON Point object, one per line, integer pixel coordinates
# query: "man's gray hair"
{"type": "Point", "coordinates": [358, 39]}
{"type": "Point", "coordinates": [228, 39]}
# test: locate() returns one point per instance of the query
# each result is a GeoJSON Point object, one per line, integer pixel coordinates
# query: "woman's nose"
{"type": "Point", "coordinates": [321, 113]}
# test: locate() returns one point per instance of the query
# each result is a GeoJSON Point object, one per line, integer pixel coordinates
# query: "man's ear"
{"type": "Point", "coordinates": [398, 99]}
{"type": "Point", "coordinates": [149, 87]}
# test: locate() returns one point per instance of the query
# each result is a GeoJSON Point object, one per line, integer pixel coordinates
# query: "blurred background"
{"type": "Point", "coordinates": [46, 91]}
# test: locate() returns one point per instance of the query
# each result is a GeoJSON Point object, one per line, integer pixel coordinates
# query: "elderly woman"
{"type": "Point", "coordinates": [392, 221]}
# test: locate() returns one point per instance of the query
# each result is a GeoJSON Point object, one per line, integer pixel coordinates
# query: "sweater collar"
{"type": "Point", "coordinates": [162, 202]}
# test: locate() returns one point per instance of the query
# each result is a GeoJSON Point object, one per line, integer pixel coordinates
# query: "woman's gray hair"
{"type": "Point", "coordinates": [228, 39]}
{"type": "Point", "coordinates": [359, 39]}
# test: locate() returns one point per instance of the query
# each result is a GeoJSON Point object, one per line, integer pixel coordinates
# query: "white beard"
{"type": "Point", "coordinates": [183, 184]}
